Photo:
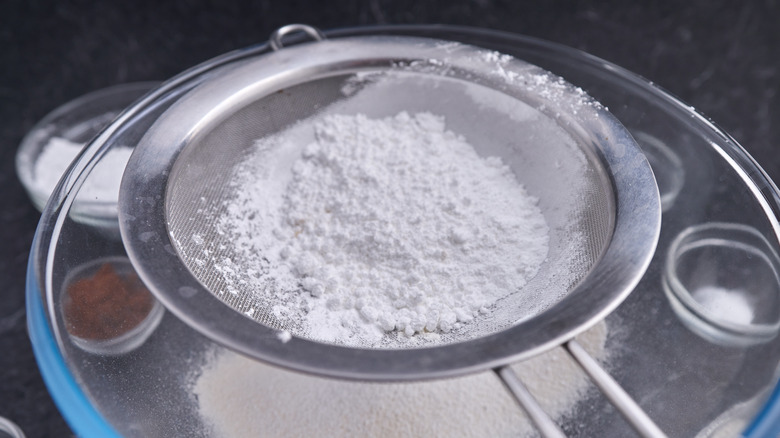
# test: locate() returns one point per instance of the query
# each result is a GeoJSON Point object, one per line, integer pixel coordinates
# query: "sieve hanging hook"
{"type": "Point", "coordinates": [275, 40]}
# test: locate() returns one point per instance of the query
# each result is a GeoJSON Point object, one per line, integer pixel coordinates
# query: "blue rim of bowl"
{"type": "Point", "coordinates": [84, 418]}
{"type": "Point", "coordinates": [73, 403]}
{"type": "Point", "coordinates": [767, 422]}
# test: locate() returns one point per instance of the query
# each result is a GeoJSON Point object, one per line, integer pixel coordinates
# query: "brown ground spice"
{"type": "Point", "coordinates": [106, 305]}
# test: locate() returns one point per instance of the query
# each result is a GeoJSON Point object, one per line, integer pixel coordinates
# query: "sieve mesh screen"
{"type": "Point", "coordinates": [573, 188]}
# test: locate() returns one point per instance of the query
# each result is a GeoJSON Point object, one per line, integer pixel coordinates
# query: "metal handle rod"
{"type": "Point", "coordinates": [541, 420]}
{"type": "Point", "coordinates": [630, 410]}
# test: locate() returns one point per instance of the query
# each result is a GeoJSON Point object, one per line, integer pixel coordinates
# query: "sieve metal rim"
{"type": "Point", "coordinates": [149, 246]}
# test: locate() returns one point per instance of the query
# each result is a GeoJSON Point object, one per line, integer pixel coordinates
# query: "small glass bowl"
{"type": "Point", "coordinates": [9, 430]}
{"type": "Point", "coordinates": [126, 339]}
{"type": "Point", "coordinates": [76, 123]}
{"type": "Point", "coordinates": [723, 282]}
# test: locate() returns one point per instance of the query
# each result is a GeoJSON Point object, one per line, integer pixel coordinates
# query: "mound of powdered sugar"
{"type": "Point", "coordinates": [383, 225]}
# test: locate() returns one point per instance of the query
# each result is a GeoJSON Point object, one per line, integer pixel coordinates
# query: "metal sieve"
{"type": "Point", "coordinates": [596, 191]}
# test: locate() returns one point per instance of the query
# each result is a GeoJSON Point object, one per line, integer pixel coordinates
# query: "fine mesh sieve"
{"type": "Point", "coordinates": [596, 190]}
{"type": "Point", "coordinates": [196, 193]}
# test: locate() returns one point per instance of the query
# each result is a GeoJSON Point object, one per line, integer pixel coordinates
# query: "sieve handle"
{"type": "Point", "coordinates": [275, 39]}
{"type": "Point", "coordinates": [619, 398]}
{"type": "Point", "coordinates": [541, 420]}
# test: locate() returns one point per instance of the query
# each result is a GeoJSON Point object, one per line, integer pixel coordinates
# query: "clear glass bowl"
{"type": "Point", "coordinates": [723, 281]}
{"type": "Point", "coordinates": [688, 384]}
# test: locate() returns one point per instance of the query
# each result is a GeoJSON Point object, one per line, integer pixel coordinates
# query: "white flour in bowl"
{"type": "Point", "coordinates": [238, 397]}
{"type": "Point", "coordinates": [386, 225]}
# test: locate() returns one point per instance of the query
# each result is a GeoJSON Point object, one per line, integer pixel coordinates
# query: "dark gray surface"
{"type": "Point", "coordinates": [721, 57]}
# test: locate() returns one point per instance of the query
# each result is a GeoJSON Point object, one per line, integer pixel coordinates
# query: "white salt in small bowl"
{"type": "Point", "coordinates": [47, 151]}
{"type": "Point", "coordinates": [723, 282]}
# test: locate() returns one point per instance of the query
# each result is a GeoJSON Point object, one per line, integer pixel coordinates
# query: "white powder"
{"type": "Point", "coordinates": [101, 185]}
{"type": "Point", "coordinates": [728, 304]}
{"type": "Point", "coordinates": [388, 225]}
{"type": "Point", "coordinates": [239, 398]}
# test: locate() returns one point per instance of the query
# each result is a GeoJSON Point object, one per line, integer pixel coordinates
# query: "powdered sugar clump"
{"type": "Point", "coordinates": [387, 225]}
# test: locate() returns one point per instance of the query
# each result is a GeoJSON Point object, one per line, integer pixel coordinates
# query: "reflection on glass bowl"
{"type": "Point", "coordinates": [667, 168]}
{"type": "Point", "coordinates": [722, 280]}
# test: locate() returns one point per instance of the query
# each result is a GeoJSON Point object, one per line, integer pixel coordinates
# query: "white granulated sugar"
{"type": "Point", "coordinates": [101, 185]}
{"type": "Point", "coordinates": [238, 397]}
{"type": "Point", "coordinates": [387, 225]}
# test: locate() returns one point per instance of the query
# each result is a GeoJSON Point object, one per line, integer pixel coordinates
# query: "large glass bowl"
{"type": "Point", "coordinates": [688, 383]}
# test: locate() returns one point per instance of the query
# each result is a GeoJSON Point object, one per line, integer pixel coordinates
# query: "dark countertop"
{"type": "Point", "coordinates": [721, 57]}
